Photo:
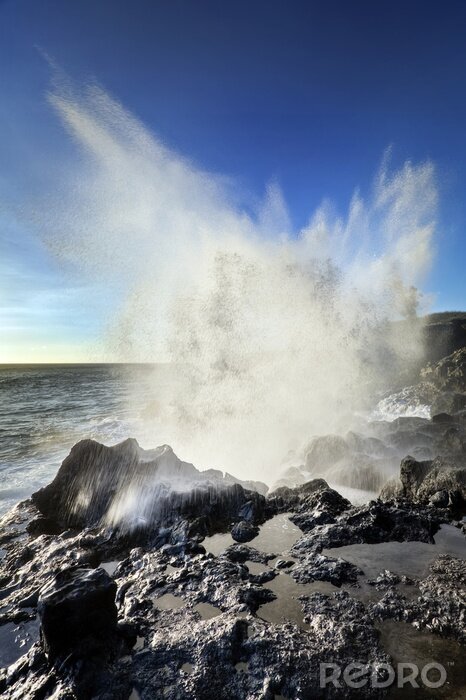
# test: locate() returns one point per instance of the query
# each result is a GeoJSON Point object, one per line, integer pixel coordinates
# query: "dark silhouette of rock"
{"type": "Point", "coordinates": [134, 490]}
{"type": "Point", "coordinates": [77, 612]}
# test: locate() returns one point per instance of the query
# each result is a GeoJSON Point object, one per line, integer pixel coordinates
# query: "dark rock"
{"type": "Point", "coordinates": [243, 552]}
{"type": "Point", "coordinates": [372, 523]}
{"type": "Point", "coordinates": [318, 505]}
{"type": "Point", "coordinates": [93, 483]}
{"type": "Point", "coordinates": [317, 567]}
{"type": "Point", "coordinates": [43, 526]}
{"type": "Point", "coordinates": [244, 531]}
{"type": "Point", "coordinates": [77, 612]}
{"type": "Point", "coordinates": [284, 563]}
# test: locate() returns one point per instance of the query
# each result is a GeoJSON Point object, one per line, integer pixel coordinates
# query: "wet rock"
{"type": "Point", "coordinates": [440, 499]}
{"type": "Point", "coordinates": [317, 567]}
{"type": "Point", "coordinates": [244, 531]}
{"type": "Point", "coordinates": [318, 506]}
{"type": "Point", "coordinates": [242, 552]}
{"type": "Point", "coordinates": [449, 373]}
{"type": "Point", "coordinates": [388, 579]}
{"type": "Point", "coordinates": [441, 605]}
{"type": "Point", "coordinates": [430, 481]}
{"type": "Point", "coordinates": [77, 612]}
{"type": "Point", "coordinates": [374, 522]}
{"type": "Point", "coordinates": [98, 485]}
{"type": "Point", "coordinates": [284, 563]}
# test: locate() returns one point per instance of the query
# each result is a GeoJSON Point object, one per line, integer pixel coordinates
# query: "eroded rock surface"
{"type": "Point", "coordinates": [175, 621]}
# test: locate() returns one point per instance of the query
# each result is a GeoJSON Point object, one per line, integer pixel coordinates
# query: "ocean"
{"type": "Point", "coordinates": [46, 409]}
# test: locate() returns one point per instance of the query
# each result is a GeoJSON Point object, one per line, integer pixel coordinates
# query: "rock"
{"type": "Point", "coordinates": [251, 512]}
{"type": "Point", "coordinates": [440, 499]}
{"type": "Point", "coordinates": [77, 612]}
{"type": "Point", "coordinates": [443, 334]}
{"type": "Point", "coordinates": [372, 523]}
{"type": "Point", "coordinates": [192, 643]}
{"type": "Point", "coordinates": [317, 567]}
{"type": "Point", "coordinates": [449, 373]}
{"type": "Point", "coordinates": [284, 563]}
{"type": "Point", "coordinates": [385, 580]}
{"type": "Point", "coordinates": [243, 552]}
{"type": "Point", "coordinates": [324, 452]}
{"type": "Point", "coordinates": [244, 531]}
{"type": "Point", "coordinates": [441, 607]}
{"type": "Point", "coordinates": [319, 504]}
{"type": "Point", "coordinates": [135, 490]}
{"type": "Point", "coordinates": [422, 481]}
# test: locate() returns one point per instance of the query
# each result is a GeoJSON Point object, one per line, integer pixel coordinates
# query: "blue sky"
{"type": "Point", "coordinates": [309, 94]}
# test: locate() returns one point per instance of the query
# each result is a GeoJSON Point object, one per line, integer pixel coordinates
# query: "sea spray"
{"type": "Point", "coordinates": [277, 334]}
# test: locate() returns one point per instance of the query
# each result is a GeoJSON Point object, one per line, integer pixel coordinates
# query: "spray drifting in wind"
{"type": "Point", "coordinates": [278, 335]}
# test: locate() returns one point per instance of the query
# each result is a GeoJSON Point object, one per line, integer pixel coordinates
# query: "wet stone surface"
{"type": "Point", "coordinates": [198, 615]}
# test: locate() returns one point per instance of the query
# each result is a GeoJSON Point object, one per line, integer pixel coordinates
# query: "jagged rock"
{"type": "Point", "coordinates": [440, 499]}
{"type": "Point", "coordinates": [319, 504]}
{"type": "Point", "coordinates": [243, 552]}
{"type": "Point", "coordinates": [449, 373]}
{"type": "Point", "coordinates": [317, 567]}
{"type": "Point", "coordinates": [441, 607]}
{"type": "Point", "coordinates": [134, 490]}
{"type": "Point", "coordinates": [372, 523]}
{"type": "Point", "coordinates": [387, 579]}
{"type": "Point", "coordinates": [214, 625]}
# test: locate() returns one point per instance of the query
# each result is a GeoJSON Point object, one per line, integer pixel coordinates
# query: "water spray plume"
{"type": "Point", "coordinates": [277, 335]}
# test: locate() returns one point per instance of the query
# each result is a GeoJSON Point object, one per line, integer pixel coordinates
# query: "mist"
{"type": "Point", "coordinates": [277, 335]}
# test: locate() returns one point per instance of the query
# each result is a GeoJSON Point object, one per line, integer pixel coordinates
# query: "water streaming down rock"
{"type": "Point", "coordinates": [129, 488]}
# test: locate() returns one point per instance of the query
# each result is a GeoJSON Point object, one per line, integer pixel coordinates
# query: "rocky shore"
{"type": "Point", "coordinates": [173, 620]}
{"type": "Point", "coordinates": [134, 575]}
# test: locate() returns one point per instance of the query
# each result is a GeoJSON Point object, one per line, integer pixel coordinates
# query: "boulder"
{"type": "Point", "coordinates": [77, 612]}
{"type": "Point", "coordinates": [244, 531]}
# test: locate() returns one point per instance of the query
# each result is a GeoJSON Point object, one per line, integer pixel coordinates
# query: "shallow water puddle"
{"type": "Point", "coordinates": [255, 567]}
{"type": "Point", "coordinates": [275, 536]}
{"type": "Point", "coordinates": [207, 611]}
{"type": "Point", "coordinates": [168, 601]}
{"type": "Point", "coordinates": [287, 607]}
{"type": "Point", "coordinates": [403, 558]}
{"type": "Point", "coordinates": [139, 644]}
{"type": "Point", "coordinates": [109, 566]}
{"type": "Point", "coordinates": [16, 640]}
{"type": "Point", "coordinates": [405, 644]}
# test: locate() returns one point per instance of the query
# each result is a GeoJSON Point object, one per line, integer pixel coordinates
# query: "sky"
{"type": "Point", "coordinates": [308, 95]}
